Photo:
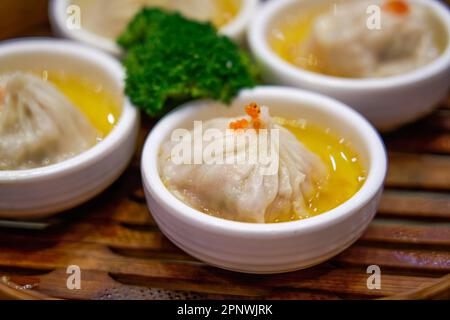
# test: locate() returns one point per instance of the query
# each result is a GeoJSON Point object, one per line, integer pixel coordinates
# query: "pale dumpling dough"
{"type": "Point", "coordinates": [39, 126]}
{"type": "Point", "coordinates": [345, 46]}
{"type": "Point", "coordinates": [242, 192]}
{"type": "Point", "coordinates": [109, 18]}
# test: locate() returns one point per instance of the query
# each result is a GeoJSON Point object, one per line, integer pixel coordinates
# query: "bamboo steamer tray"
{"type": "Point", "coordinates": [123, 255]}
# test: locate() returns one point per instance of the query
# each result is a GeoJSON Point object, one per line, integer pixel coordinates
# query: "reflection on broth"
{"type": "Point", "coordinates": [109, 18]}
{"type": "Point", "coordinates": [96, 103]}
{"type": "Point", "coordinates": [346, 173]}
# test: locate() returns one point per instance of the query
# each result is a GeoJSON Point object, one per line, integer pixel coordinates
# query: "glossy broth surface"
{"type": "Point", "coordinates": [345, 170]}
{"type": "Point", "coordinates": [97, 104]}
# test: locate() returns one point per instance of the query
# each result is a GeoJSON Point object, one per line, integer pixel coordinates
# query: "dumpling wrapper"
{"type": "Point", "coordinates": [241, 192]}
{"type": "Point", "coordinates": [39, 126]}
{"type": "Point", "coordinates": [345, 46]}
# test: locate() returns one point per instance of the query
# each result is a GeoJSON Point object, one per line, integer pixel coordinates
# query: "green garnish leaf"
{"type": "Point", "coordinates": [171, 59]}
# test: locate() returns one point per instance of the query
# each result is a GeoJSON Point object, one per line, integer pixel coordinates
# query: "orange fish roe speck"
{"type": "Point", "coordinates": [254, 111]}
{"type": "Point", "coordinates": [399, 7]}
{"type": "Point", "coordinates": [239, 124]}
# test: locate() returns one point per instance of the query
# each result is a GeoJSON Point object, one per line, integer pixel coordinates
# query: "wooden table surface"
{"type": "Point", "coordinates": [123, 255]}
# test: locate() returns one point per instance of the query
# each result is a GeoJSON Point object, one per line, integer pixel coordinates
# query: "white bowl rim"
{"type": "Point", "coordinates": [258, 42]}
{"type": "Point", "coordinates": [57, 8]}
{"type": "Point", "coordinates": [128, 118]}
{"type": "Point", "coordinates": [373, 184]}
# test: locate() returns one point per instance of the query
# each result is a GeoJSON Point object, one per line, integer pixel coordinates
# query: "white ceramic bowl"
{"type": "Point", "coordinates": [236, 29]}
{"type": "Point", "coordinates": [36, 193]}
{"type": "Point", "coordinates": [387, 102]}
{"type": "Point", "coordinates": [267, 248]}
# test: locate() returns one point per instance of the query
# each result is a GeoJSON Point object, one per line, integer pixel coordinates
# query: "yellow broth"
{"type": "Point", "coordinates": [227, 11]}
{"type": "Point", "coordinates": [288, 39]}
{"type": "Point", "coordinates": [345, 170]}
{"type": "Point", "coordinates": [99, 106]}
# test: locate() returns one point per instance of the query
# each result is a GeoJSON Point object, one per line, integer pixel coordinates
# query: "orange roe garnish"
{"type": "Point", "coordinates": [254, 111]}
{"type": "Point", "coordinates": [239, 124]}
{"type": "Point", "coordinates": [399, 7]}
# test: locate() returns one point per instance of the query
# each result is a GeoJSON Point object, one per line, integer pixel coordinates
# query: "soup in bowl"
{"type": "Point", "coordinates": [235, 216]}
{"type": "Point", "coordinates": [388, 59]}
{"type": "Point", "coordinates": [67, 131]}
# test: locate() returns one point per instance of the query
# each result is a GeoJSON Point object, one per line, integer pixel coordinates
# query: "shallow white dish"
{"type": "Point", "coordinates": [236, 29]}
{"type": "Point", "coordinates": [40, 192]}
{"type": "Point", "coordinates": [267, 248]}
{"type": "Point", "coordinates": [386, 102]}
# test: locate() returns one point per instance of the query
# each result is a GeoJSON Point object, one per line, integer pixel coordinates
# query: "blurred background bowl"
{"type": "Point", "coordinates": [236, 29]}
{"type": "Point", "coordinates": [386, 102]}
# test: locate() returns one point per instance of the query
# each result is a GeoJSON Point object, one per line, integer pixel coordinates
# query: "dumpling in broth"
{"type": "Point", "coordinates": [346, 46]}
{"type": "Point", "coordinates": [38, 124]}
{"type": "Point", "coordinates": [258, 192]}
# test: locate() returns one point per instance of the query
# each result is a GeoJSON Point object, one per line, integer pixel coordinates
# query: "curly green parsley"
{"type": "Point", "coordinates": [171, 59]}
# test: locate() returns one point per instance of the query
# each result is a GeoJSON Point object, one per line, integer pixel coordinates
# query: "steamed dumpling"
{"type": "Point", "coordinates": [345, 46]}
{"type": "Point", "coordinates": [110, 17]}
{"type": "Point", "coordinates": [244, 191]}
{"type": "Point", "coordinates": [39, 126]}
